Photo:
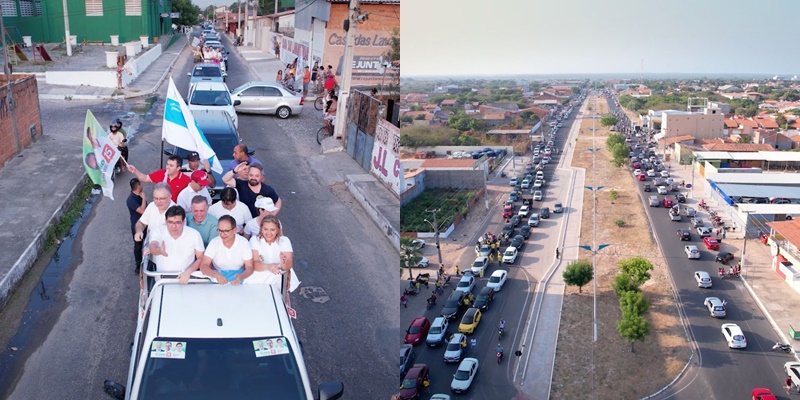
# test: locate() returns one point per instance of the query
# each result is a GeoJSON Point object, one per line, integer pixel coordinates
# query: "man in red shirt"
{"type": "Point", "coordinates": [171, 175]}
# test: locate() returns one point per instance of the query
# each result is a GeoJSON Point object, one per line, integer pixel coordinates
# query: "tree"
{"type": "Point", "coordinates": [578, 273]}
{"type": "Point", "coordinates": [526, 115]}
{"type": "Point", "coordinates": [609, 120]}
{"type": "Point", "coordinates": [745, 139]}
{"type": "Point", "coordinates": [638, 268]}
{"type": "Point", "coordinates": [393, 53]}
{"type": "Point", "coordinates": [613, 140]}
{"type": "Point", "coordinates": [409, 254]}
{"type": "Point", "coordinates": [781, 121]}
{"type": "Point", "coordinates": [750, 111]}
{"type": "Point", "coordinates": [188, 12]}
{"type": "Point", "coordinates": [420, 117]}
{"type": "Point", "coordinates": [633, 328]}
{"type": "Point", "coordinates": [406, 119]}
{"type": "Point", "coordinates": [623, 284]}
{"type": "Point", "coordinates": [633, 302]}
{"type": "Point", "coordinates": [619, 155]}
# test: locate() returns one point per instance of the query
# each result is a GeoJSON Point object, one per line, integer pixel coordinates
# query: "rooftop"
{"type": "Point", "coordinates": [790, 230]}
{"type": "Point", "coordinates": [772, 156]}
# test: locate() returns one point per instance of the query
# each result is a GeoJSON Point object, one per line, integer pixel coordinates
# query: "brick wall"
{"type": "Point", "coordinates": [25, 111]}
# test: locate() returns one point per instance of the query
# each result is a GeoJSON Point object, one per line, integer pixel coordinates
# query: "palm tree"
{"type": "Point", "coordinates": [409, 254]}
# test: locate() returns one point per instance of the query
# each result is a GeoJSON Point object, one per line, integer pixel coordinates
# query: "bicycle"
{"type": "Point", "coordinates": [319, 103]}
{"type": "Point", "coordinates": [325, 131]}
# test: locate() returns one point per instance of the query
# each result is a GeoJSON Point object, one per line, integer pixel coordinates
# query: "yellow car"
{"type": "Point", "coordinates": [470, 321]}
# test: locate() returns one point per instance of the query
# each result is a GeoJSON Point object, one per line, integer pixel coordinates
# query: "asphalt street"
{"type": "Point", "coordinates": [346, 304]}
{"type": "Point", "coordinates": [514, 302]}
{"type": "Point", "coordinates": [755, 366]}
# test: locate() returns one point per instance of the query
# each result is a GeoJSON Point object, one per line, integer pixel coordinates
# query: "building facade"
{"type": "Point", "coordinates": [708, 124]}
{"type": "Point", "coordinates": [89, 20]}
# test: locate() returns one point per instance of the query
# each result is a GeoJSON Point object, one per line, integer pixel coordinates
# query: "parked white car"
{"type": "Point", "coordinates": [454, 349]}
{"type": "Point", "coordinates": [537, 195]}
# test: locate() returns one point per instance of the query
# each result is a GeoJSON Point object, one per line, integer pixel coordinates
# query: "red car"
{"type": "Point", "coordinates": [667, 202]}
{"type": "Point", "coordinates": [642, 177]}
{"type": "Point", "coordinates": [507, 211]}
{"type": "Point", "coordinates": [711, 243]}
{"type": "Point", "coordinates": [763, 394]}
{"type": "Point", "coordinates": [417, 331]}
{"type": "Point", "coordinates": [414, 382]}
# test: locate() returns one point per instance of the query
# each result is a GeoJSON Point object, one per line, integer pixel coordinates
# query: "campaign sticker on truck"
{"type": "Point", "coordinates": [270, 347]}
{"type": "Point", "coordinates": [165, 349]}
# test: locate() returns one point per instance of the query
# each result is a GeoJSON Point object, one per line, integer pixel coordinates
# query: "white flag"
{"type": "Point", "coordinates": [180, 129]}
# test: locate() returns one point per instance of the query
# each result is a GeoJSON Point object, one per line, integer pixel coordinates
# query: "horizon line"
{"type": "Point", "coordinates": [637, 74]}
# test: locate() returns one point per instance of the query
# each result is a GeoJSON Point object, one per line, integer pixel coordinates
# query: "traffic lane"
{"type": "Point", "coordinates": [497, 383]}
{"type": "Point", "coordinates": [720, 362]}
{"type": "Point", "coordinates": [338, 252]}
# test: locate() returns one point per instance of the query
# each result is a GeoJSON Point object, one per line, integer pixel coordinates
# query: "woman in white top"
{"type": "Point", "coordinates": [273, 254]}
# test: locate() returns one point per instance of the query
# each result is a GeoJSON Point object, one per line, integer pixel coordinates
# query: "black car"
{"type": "Point", "coordinates": [684, 234]}
{"type": "Point", "coordinates": [515, 220]}
{"type": "Point", "coordinates": [723, 257]}
{"type": "Point", "coordinates": [484, 298]}
{"type": "Point", "coordinates": [517, 242]}
{"type": "Point", "coordinates": [453, 304]}
{"type": "Point", "coordinates": [647, 187]}
{"type": "Point", "coordinates": [681, 198]}
{"type": "Point", "coordinates": [544, 212]}
{"type": "Point", "coordinates": [507, 231]}
{"type": "Point", "coordinates": [525, 231]}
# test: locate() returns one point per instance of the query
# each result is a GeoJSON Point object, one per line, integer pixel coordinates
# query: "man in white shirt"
{"type": "Point", "coordinates": [197, 186]}
{"type": "Point", "coordinates": [154, 215]}
{"type": "Point", "coordinates": [229, 205]}
{"type": "Point", "coordinates": [228, 257]}
{"type": "Point", "coordinates": [176, 247]}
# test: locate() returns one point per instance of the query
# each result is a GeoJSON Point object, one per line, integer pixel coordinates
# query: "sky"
{"type": "Point", "coordinates": [510, 37]}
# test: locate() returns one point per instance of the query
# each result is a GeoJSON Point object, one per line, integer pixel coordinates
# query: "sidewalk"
{"type": "Point", "coordinates": [87, 60]}
{"type": "Point", "coordinates": [776, 299]}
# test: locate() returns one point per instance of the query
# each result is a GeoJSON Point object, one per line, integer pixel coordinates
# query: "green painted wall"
{"type": "Point", "coordinates": [49, 27]}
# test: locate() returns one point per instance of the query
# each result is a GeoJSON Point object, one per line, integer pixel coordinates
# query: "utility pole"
{"type": "Point", "coordinates": [66, 29]}
{"type": "Point", "coordinates": [239, 18]}
{"type": "Point", "coordinates": [246, 8]}
{"type": "Point", "coordinates": [347, 69]}
{"type": "Point", "coordinates": [435, 226]}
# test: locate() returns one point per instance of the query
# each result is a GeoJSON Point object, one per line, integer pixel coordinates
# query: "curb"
{"type": "Point", "coordinates": [21, 267]}
{"type": "Point", "coordinates": [374, 214]}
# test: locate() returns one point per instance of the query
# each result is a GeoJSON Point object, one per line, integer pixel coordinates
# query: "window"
{"type": "Point", "coordinates": [94, 8]}
{"type": "Point", "coordinates": [38, 5]}
{"type": "Point", "coordinates": [272, 92]}
{"type": "Point", "coordinates": [253, 92]}
{"type": "Point", "coordinates": [9, 8]}
{"type": "Point", "coordinates": [25, 8]}
{"type": "Point", "coordinates": [133, 7]}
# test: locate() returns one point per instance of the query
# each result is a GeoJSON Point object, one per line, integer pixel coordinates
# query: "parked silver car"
{"type": "Point", "coordinates": [267, 98]}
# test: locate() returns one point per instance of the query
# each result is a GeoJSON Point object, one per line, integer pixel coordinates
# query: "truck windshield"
{"type": "Point", "coordinates": [238, 368]}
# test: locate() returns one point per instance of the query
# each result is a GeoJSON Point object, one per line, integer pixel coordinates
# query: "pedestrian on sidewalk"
{"type": "Point", "coordinates": [788, 384]}
{"type": "Point", "coordinates": [558, 253]}
{"type": "Point", "coordinates": [404, 301]}
{"type": "Point", "coordinates": [277, 47]}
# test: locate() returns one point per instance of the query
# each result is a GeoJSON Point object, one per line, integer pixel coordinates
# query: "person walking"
{"type": "Point", "coordinates": [136, 202]}
{"type": "Point", "coordinates": [404, 301]}
{"type": "Point", "coordinates": [473, 345]}
{"type": "Point", "coordinates": [457, 272]}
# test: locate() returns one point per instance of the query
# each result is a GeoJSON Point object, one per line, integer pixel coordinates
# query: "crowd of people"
{"type": "Point", "coordinates": [238, 240]}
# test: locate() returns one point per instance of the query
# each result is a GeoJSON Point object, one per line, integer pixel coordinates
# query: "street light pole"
{"type": "Point", "coordinates": [435, 227]}
{"type": "Point", "coordinates": [353, 17]}
{"type": "Point", "coordinates": [744, 236]}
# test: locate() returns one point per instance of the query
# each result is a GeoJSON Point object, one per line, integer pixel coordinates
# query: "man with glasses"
{"type": "Point", "coordinates": [201, 221]}
{"type": "Point", "coordinates": [228, 257]}
{"type": "Point", "coordinates": [171, 175]}
{"type": "Point", "coordinates": [176, 247]}
{"type": "Point", "coordinates": [154, 214]}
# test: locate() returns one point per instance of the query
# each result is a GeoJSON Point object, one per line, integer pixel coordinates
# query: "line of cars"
{"type": "Point", "coordinates": [208, 90]}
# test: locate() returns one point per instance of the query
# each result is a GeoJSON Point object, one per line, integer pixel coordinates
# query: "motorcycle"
{"type": "Point", "coordinates": [412, 292]}
{"type": "Point", "coordinates": [786, 348]}
{"type": "Point", "coordinates": [500, 333]}
{"type": "Point", "coordinates": [721, 273]}
{"type": "Point", "coordinates": [502, 174]}
{"type": "Point", "coordinates": [499, 356]}
{"type": "Point", "coordinates": [431, 302]}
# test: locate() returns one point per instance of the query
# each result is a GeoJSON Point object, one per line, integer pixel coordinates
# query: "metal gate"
{"type": "Point", "coordinates": [362, 120]}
